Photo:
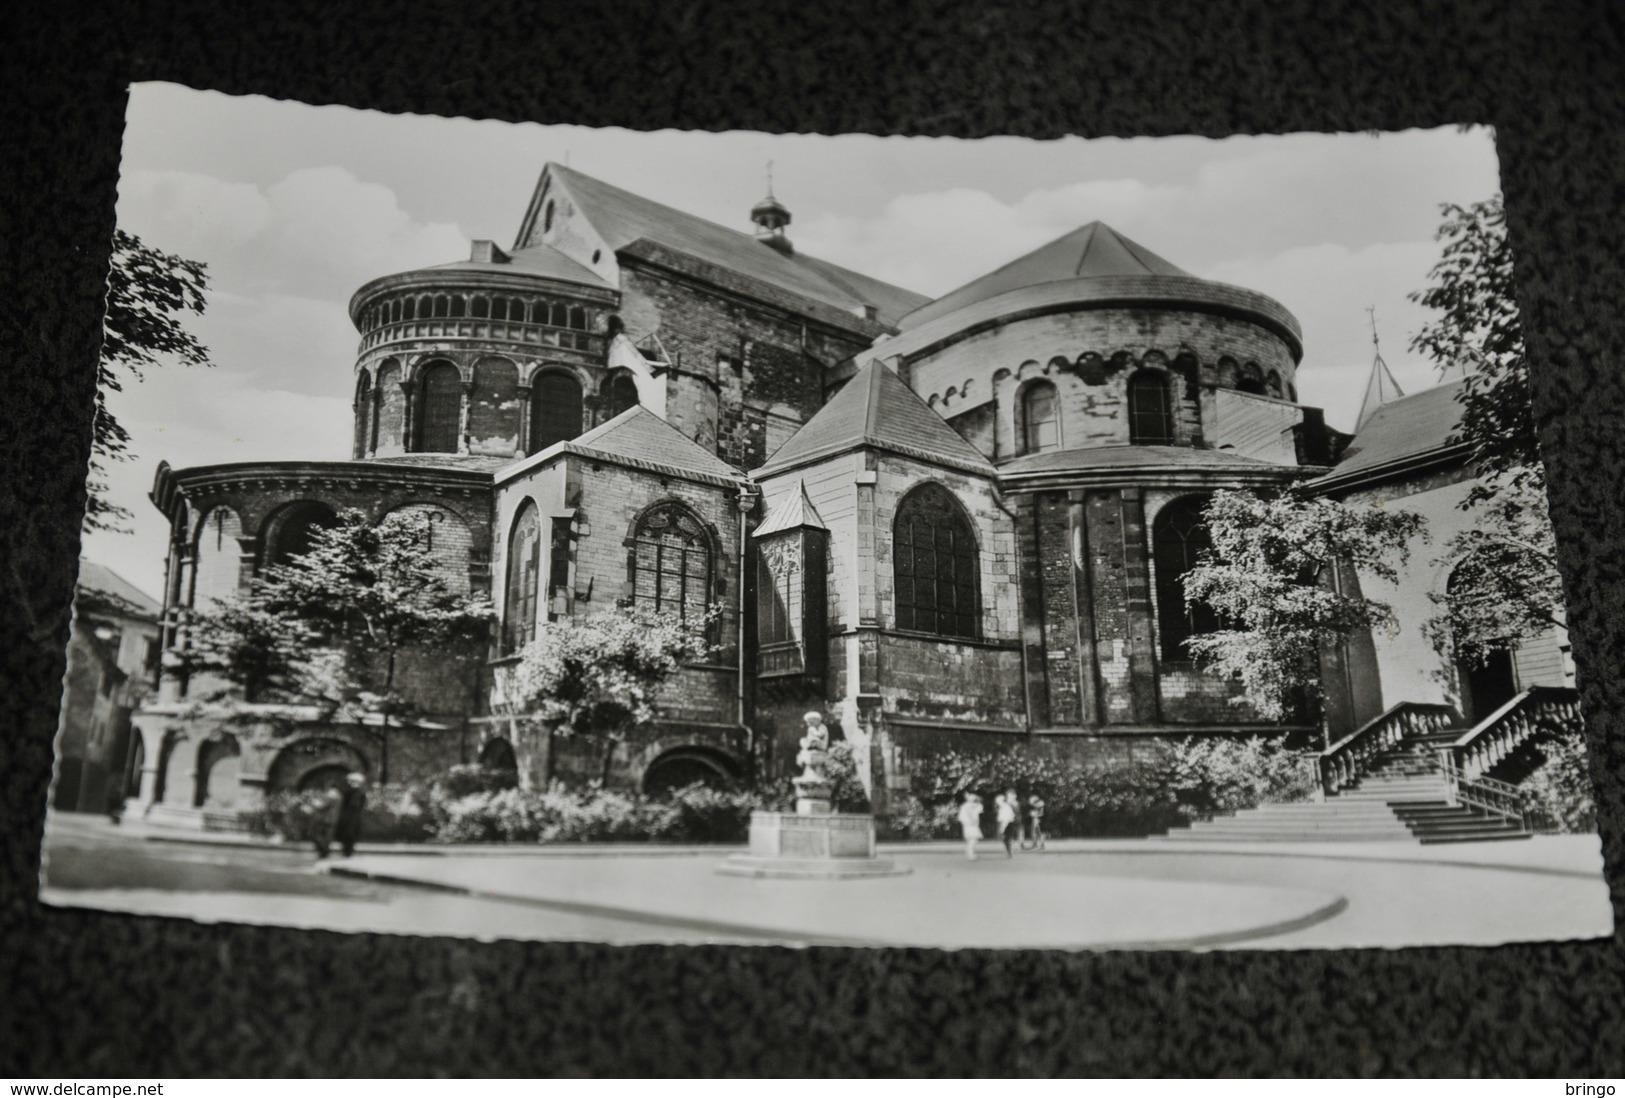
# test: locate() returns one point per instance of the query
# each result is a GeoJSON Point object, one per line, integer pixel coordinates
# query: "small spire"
{"type": "Point", "coordinates": [1381, 388]}
{"type": "Point", "coordinates": [771, 217]}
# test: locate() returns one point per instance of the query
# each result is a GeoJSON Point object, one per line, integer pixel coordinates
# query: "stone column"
{"type": "Point", "coordinates": [248, 553]}
{"type": "Point", "coordinates": [1035, 656]}
{"type": "Point", "coordinates": [1142, 634]}
{"type": "Point", "coordinates": [374, 415]}
{"type": "Point", "coordinates": [523, 448]}
{"type": "Point", "coordinates": [151, 750]}
{"type": "Point", "coordinates": [408, 417]}
{"type": "Point", "coordinates": [464, 416]}
{"type": "Point", "coordinates": [1083, 611]}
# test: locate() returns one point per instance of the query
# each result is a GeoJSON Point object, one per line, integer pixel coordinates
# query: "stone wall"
{"type": "Point", "coordinates": [733, 357]}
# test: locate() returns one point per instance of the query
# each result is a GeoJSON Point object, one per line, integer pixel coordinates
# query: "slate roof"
{"type": "Point", "coordinates": [1136, 457]}
{"type": "Point", "coordinates": [876, 409]}
{"type": "Point", "coordinates": [1094, 251]}
{"type": "Point", "coordinates": [115, 590]}
{"type": "Point", "coordinates": [792, 512]}
{"type": "Point", "coordinates": [622, 218]}
{"type": "Point", "coordinates": [1400, 432]}
{"type": "Point", "coordinates": [642, 440]}
{"type": "Point", "coordinates": [542, 260]}
{"type": "Point", "coordinates": [486, 463]}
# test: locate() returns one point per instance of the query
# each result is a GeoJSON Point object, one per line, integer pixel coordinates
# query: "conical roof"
{"type": "Point", "coordinates": [1380, 389]}
{"type": "Point", "coordinates": [1094, 251]}
{"type": "Point", "coordinates": [876, 409]}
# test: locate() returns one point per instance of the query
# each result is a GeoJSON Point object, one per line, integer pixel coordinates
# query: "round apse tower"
{"type": "Point", "coordinates": [496, 357]}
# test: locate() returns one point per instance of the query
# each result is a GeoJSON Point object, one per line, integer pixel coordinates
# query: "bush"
{"type": "Point", "coordinates": [1557, 796]}
{"type": "Point", "coordinates": [460, 781]}
{"type": "Point", "coordinates": [1198, 777]}
{"type": "Point", "coordinates": [394, 814]}
{"type": "Point", "coordinates": [693, 814]}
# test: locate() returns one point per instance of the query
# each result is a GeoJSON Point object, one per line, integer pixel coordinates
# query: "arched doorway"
{"type": "Point", "coordinates": [174, 771]}
{"type": "Point", "coordinates": [682, 767]}
{"type": "Point", "coordinates": [555, 411]}
{"type": "Point", "coordinates": [1487, 681]}
{"type": "Point", "coordinates": [314, 764]}
{"type": "Point", "coordinates": [497, 757]}
{"type": "Point", "coordinates": [219, 764]}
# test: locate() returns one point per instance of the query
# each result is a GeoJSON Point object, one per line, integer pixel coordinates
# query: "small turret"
{"type": "Point", "coordinates": [771, 217]}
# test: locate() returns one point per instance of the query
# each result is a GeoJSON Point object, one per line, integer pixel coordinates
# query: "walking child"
{"type": "Point", "coordinates": [1009, 809]}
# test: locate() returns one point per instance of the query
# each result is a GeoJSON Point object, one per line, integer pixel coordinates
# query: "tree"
{"type": "Point", "coordinates": [148, 293]}
{"type": "Point", "coordinates": [1505, 586]}
{"type": "Point", "coordinates": [1272, 578]}
{"type": "Point", "coordinates": [1480, 333]}
{"type": "Point", "coordinates": [598, 676]}
{"type": "Point", "coordinates": [331, 625]}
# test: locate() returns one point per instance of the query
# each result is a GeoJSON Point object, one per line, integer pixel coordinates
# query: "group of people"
{"type": "Point", "coordinates": [1007, 811]}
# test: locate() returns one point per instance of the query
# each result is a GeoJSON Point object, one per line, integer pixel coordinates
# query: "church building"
{"type": "Point", "coordinates": [959, 523]}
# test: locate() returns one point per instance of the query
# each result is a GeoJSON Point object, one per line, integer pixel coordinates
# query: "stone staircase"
{"type": "Point", "coordinates": [1401, 797]}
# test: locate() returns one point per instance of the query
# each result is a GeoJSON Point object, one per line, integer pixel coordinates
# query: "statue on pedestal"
{"type": "Point", "coordinates": [813, 788]}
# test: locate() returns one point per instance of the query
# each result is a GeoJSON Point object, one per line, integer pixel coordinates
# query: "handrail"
{"type": "Point", "coordinates": [1343, 762]}
{"type": "Point", "coordinates": [1489, 795]}
{"type": "Point", "coordinates": [1495, 737]}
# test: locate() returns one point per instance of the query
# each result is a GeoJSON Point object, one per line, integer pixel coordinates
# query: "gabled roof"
{"type": "Point", "coordinates": [793, 512]}
{"type": "Point", "coordinates": [876, 409]}
{"type": "Point", "coordinates": [1095, 251]}
{"type": "Point", "coordinates": [114, 591]}
{"type": "Point", "coordinates": [623, 218]}
{"type": "Point", "coordinates": [641, 440]}
{"type": "Point", "coordinates": [1400, 433]}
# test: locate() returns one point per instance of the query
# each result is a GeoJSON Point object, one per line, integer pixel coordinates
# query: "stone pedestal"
{"type": "Point", "coordinates": [796, 845]}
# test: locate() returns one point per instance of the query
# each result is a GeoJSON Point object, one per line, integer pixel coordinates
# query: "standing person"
{"type": "Point", "coordinates": [1008, 807]}
{"type": "Point", "coordinates": [970, 822]}
{"type": "Point", "coordinates": [352, 803]}
{"type": "Point", "coordinates": [1035, 810]}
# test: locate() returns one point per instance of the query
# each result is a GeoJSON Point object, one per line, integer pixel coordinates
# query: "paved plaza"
{"type": "Point", "coordinates": [1079, 894]}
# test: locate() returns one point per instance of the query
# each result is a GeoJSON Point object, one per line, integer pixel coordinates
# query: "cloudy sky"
{"type": "Point", "coordinates": [294, 207]}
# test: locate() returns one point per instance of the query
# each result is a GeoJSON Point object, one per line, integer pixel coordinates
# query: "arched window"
{"type": "Point", "coordinates": [388, 407]}
{"type": "Point", "coordinates": [363, 413]}
{"type": "Point", "coordinates": [936, 565]}
{"type": "Point", "coordinates": [1272, 385]}
{"type": "Point", "coordinates": [1179, 538]}
{"type": "Point", "coordinates": [670, 562]}
{"type": "Point", "coordinates": [559, 316]}
{"type": "Point", "coordinates": [1251, 380]}
{"type": "Point", "coordinates": [620, 393]}
{"type": "Point", "coordinates": [547, 217]}
{"type": "Point", "coordinates": [555, 413]}
{"type": "Point", "coordinates": [441, 411]}
{"type": "Point", "coordinates": [1040, 418]}
{"type": "Point", "coordinates": [479, 307]}
{"type": "Point", "coordinates": [524, 579]}
{"type": "Point", "coordinates": [292, 531]}
{"type": "Point", "coordinates": [1150, 411]}
{"type": "Point", "coordinates": [578, 317]}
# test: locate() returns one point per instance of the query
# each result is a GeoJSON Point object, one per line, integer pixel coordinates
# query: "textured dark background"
{"type": "Point", "coordinates": [90, 994]}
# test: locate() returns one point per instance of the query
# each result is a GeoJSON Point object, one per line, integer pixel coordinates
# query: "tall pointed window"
{"type": "Point", "coordinates": [670, 562]}
{"type": "Point", "coordinates": [555, 413]}
{"type": "Point", "coordinates": [440, 418]}
{"type": "Point", "coordinates": [936, 565]}
{"type": "Point", "coordinates": [1040, 418]}
{"type": "Point", "coordinates": [1179, 538]}
{"type": "Point", "coordinates": [1150, 410]}
{"type": "Point", "coordinates": [621, 393]}
{"type": "Point", "coordinates": [524, 566]}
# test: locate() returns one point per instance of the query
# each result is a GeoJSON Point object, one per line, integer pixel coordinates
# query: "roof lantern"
{"type": "Point", "coordinates": [771, 217]}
